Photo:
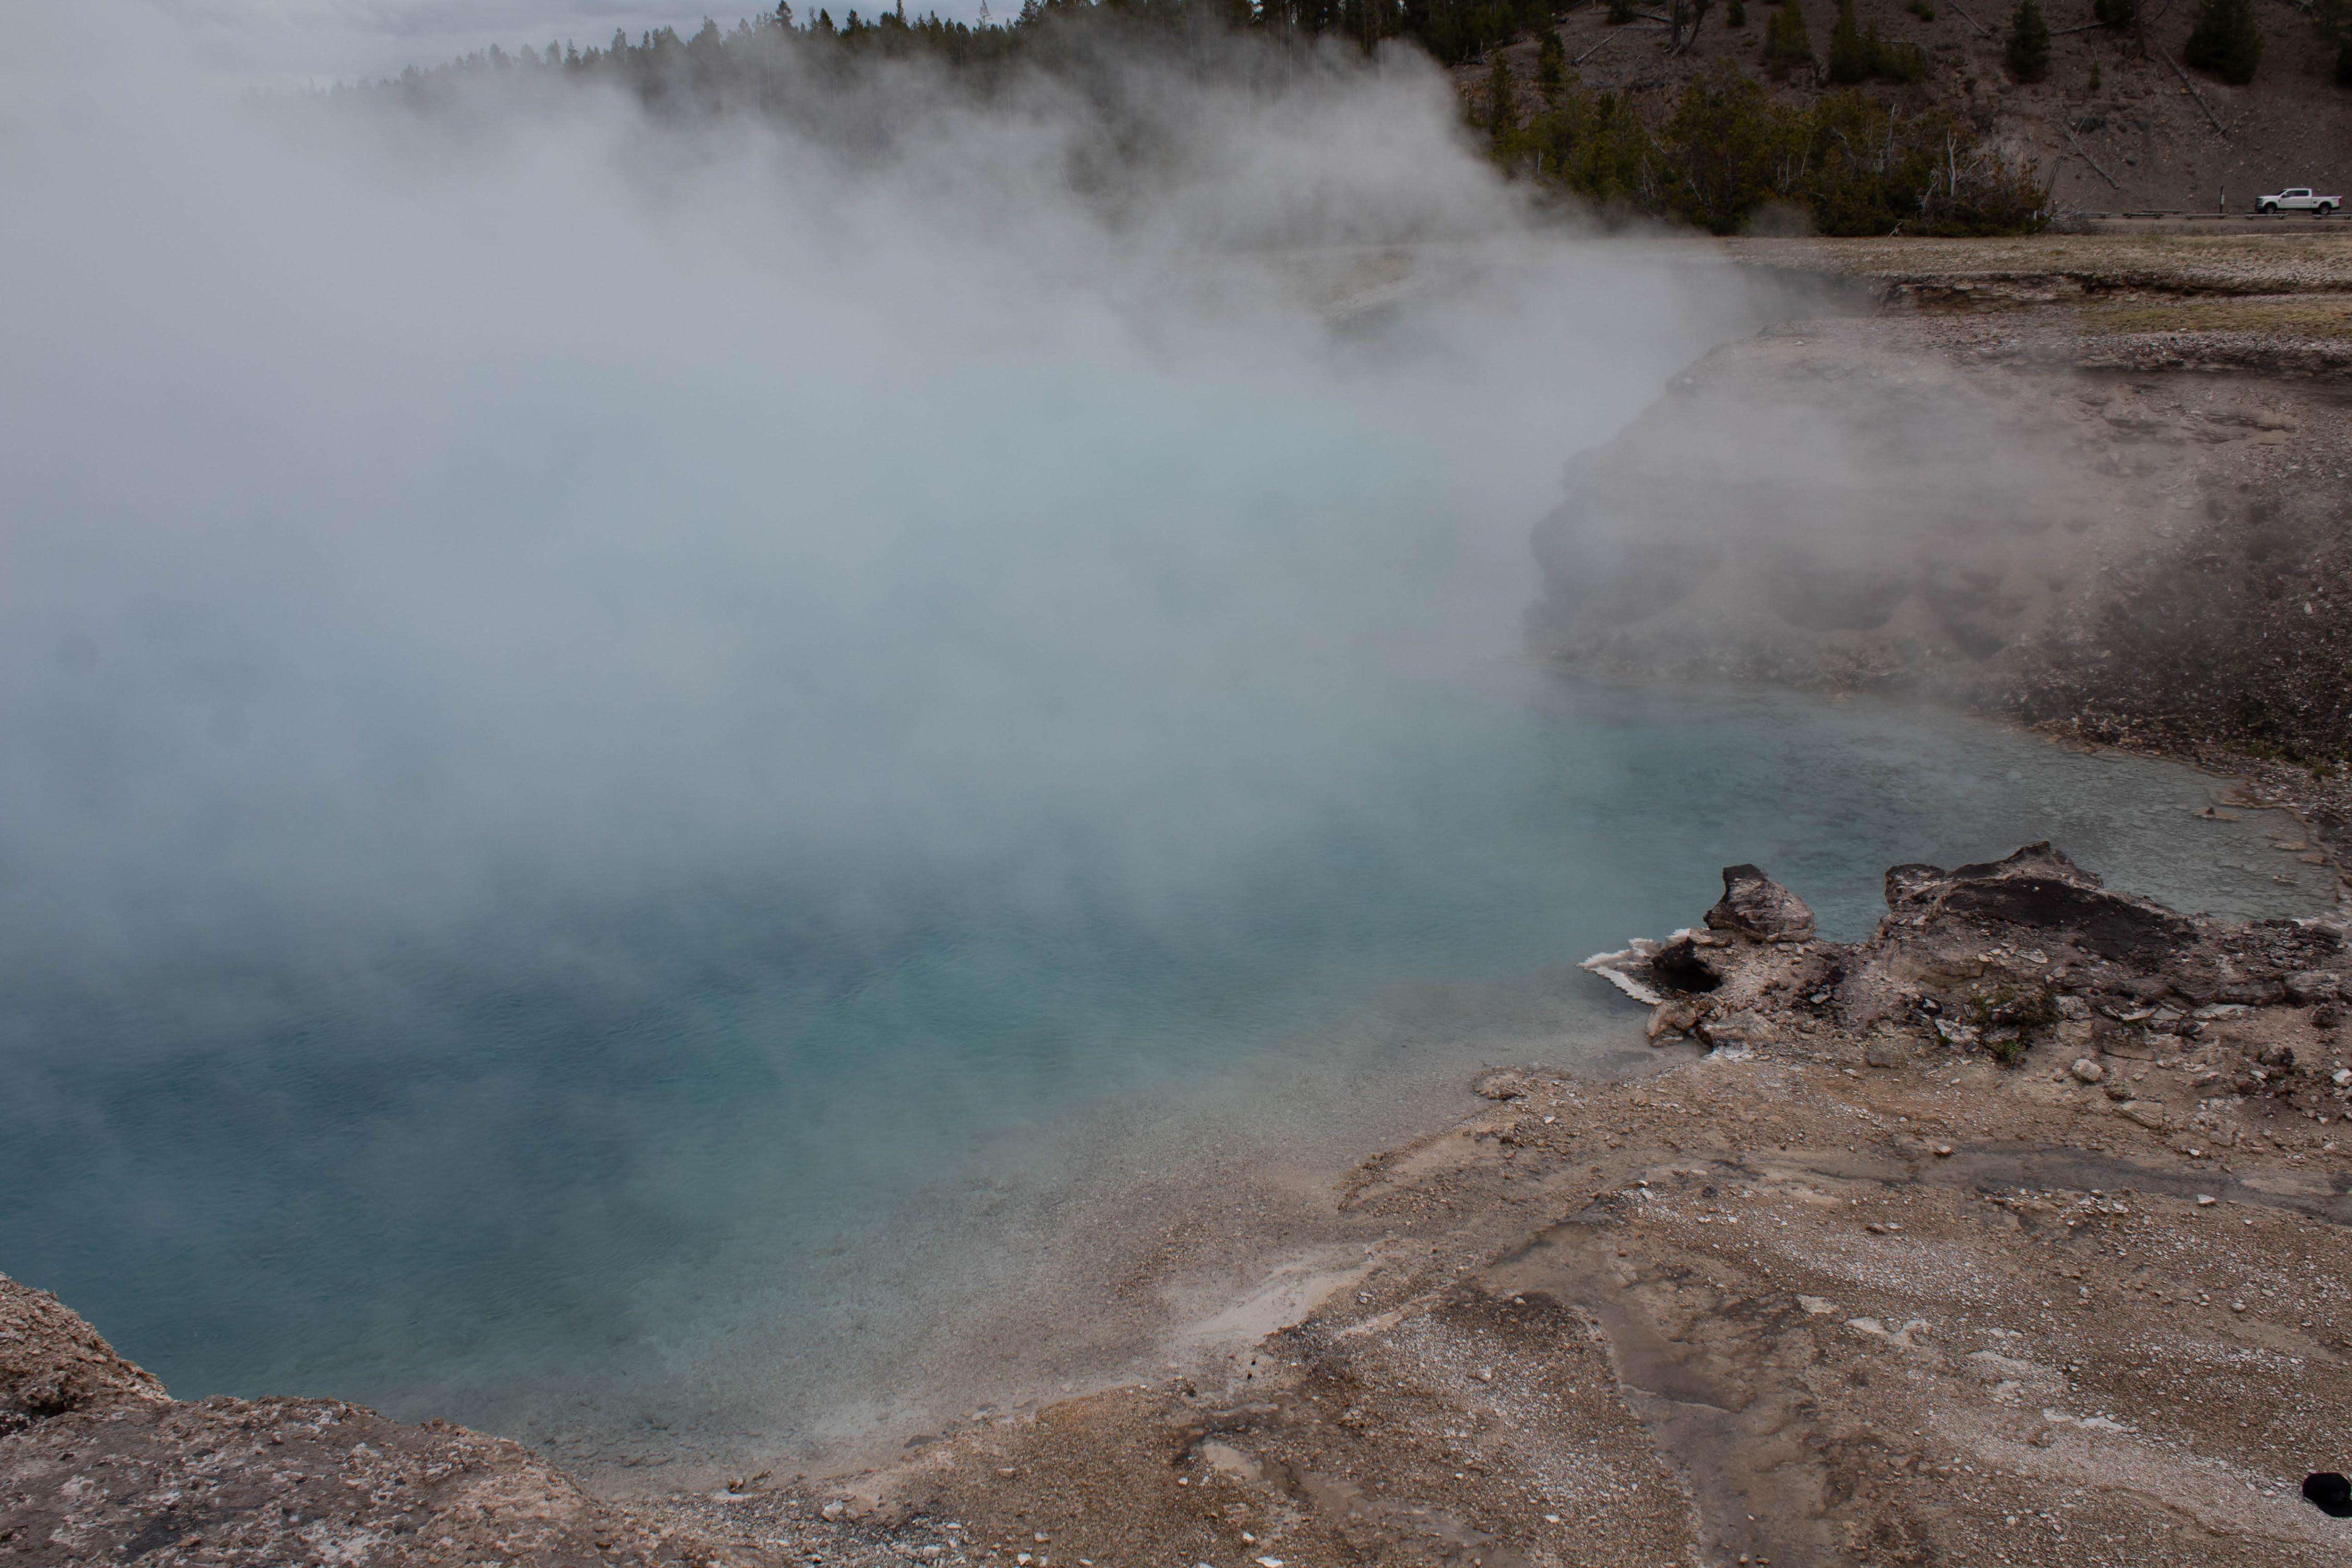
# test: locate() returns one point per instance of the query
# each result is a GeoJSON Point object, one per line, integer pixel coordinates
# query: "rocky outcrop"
{"type": "Point", "coordinates": [2038, 888]}
{"type": "Point", "coordinates": [52, 1363]}
{"type": "Point", "coordinates": [1755, 906]}
{"type": "Point", "coordinates": [2008, 956]}
{"type": "Point", "coordinates": [98, 1465]}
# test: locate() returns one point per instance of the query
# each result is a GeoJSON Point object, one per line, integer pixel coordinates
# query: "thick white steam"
{"type": "Point", "coordinates": [405, 514]}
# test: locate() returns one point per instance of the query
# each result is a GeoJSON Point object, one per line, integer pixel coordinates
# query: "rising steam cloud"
{"type": "Point", "coordinates": [407, 513]}
{"type": "Point", "coordinates": [518, 618]}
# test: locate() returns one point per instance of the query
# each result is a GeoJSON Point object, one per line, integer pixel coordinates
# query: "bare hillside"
{"type": "Point", "coordinates": [2118, 132]}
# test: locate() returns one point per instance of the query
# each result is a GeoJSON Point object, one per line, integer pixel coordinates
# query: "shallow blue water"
{"type": "Point", "coordinates": [670, 1149]}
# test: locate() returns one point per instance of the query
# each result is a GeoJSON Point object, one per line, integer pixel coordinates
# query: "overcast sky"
{"type": "Point", "coordinates": [327, 40]}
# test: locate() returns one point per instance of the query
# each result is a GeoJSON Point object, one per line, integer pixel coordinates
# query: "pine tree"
{"type": "Point", "coordinates": [2029, 42]}
{"type": "Point", "coordinates": [1786, 45]}
{"type": "Point", "coordinates": [2227, 40]}
{"type": "Point", "coordinates": [1735, 14]}
{"type": "Point", "coordinates": [1502, 107]}
{"type": "Point", "coordinates": [1551, 68]}
{"type": "Point", "coordinates": [1850, 59]}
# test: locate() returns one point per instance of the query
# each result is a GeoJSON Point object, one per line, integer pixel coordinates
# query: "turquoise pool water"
{"type": "Point", "coordinates": [718, 1155]}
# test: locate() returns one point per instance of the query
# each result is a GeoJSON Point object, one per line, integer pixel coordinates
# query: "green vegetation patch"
{"type": "Point", "coordinates": [1858, 166]}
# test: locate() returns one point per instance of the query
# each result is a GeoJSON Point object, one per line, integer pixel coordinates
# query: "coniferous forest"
{"type": "Point", "coordinates": [1727, 149]}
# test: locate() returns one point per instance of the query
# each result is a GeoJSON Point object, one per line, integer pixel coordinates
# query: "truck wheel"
{"type": "Point", "coordinates": [2269, 209]}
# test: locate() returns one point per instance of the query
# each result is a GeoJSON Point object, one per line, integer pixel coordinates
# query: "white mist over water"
{"type": "Point", "coordinates": [402, 510]}
{"type": "Point", "coordinates": [622, 748]}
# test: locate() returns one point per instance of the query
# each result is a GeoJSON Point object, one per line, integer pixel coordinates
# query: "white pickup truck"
{"type": "Point", "coordinates": [2299, 200]}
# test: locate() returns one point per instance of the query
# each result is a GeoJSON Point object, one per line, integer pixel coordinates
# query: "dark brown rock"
{"type": "Point", "coordinates": [1684, 965]}
{"type": "Point", "coordinates": [2041, 890]}
{"type": "Point", "coordinates": [1755, 906]}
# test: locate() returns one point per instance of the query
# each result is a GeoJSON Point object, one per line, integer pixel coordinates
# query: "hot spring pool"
{"type": "Point", "coordinates": [695, 1162]}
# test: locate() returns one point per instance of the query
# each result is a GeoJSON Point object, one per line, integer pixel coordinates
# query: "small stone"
{"type": "Point", "coordinates": [2085, 1071]}
{"type": "Point", "coordinates": [2313, 986]}
{"type": "Point", "coordinates": [1886, 1051]}
{"type": "Point", "coordinates": [1672, 1019]}
{"type": "Point", "coordinates": [2205, 1200]}
{"type": "Point", "coordinates": [1737, 1030]}
{"type": "Point", "coordinates": [1502, 1083]}
{"type": "Point", "coordinates": [1943, 1151]}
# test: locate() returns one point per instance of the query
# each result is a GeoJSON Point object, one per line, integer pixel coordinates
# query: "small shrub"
{"type": "Point", "coordinates": [2115, 14]}
{"type": "Point", "coordinates": [2008, 1016]}
{"type": "Point", "coordinates": [1735, 14]}
{"type": "Point", "coordinates": [1896, 62]}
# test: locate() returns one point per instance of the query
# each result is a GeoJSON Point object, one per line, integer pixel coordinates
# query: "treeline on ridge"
{"type": "Point", "coordinates": [1727, 150]}
{"type": "Point", "coordinates": [1852, 164]}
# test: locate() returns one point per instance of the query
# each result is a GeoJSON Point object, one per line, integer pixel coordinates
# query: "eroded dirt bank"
{"type": "Point", "coordinates": [1845, 1289]}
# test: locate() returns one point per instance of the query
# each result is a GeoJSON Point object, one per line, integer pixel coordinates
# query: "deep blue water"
{"type": "Point", "coordinates": [587, 1157]}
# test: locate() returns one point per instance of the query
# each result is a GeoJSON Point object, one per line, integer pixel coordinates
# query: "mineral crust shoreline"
{"type": "Point", "coordinates": [2017, 1231]}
